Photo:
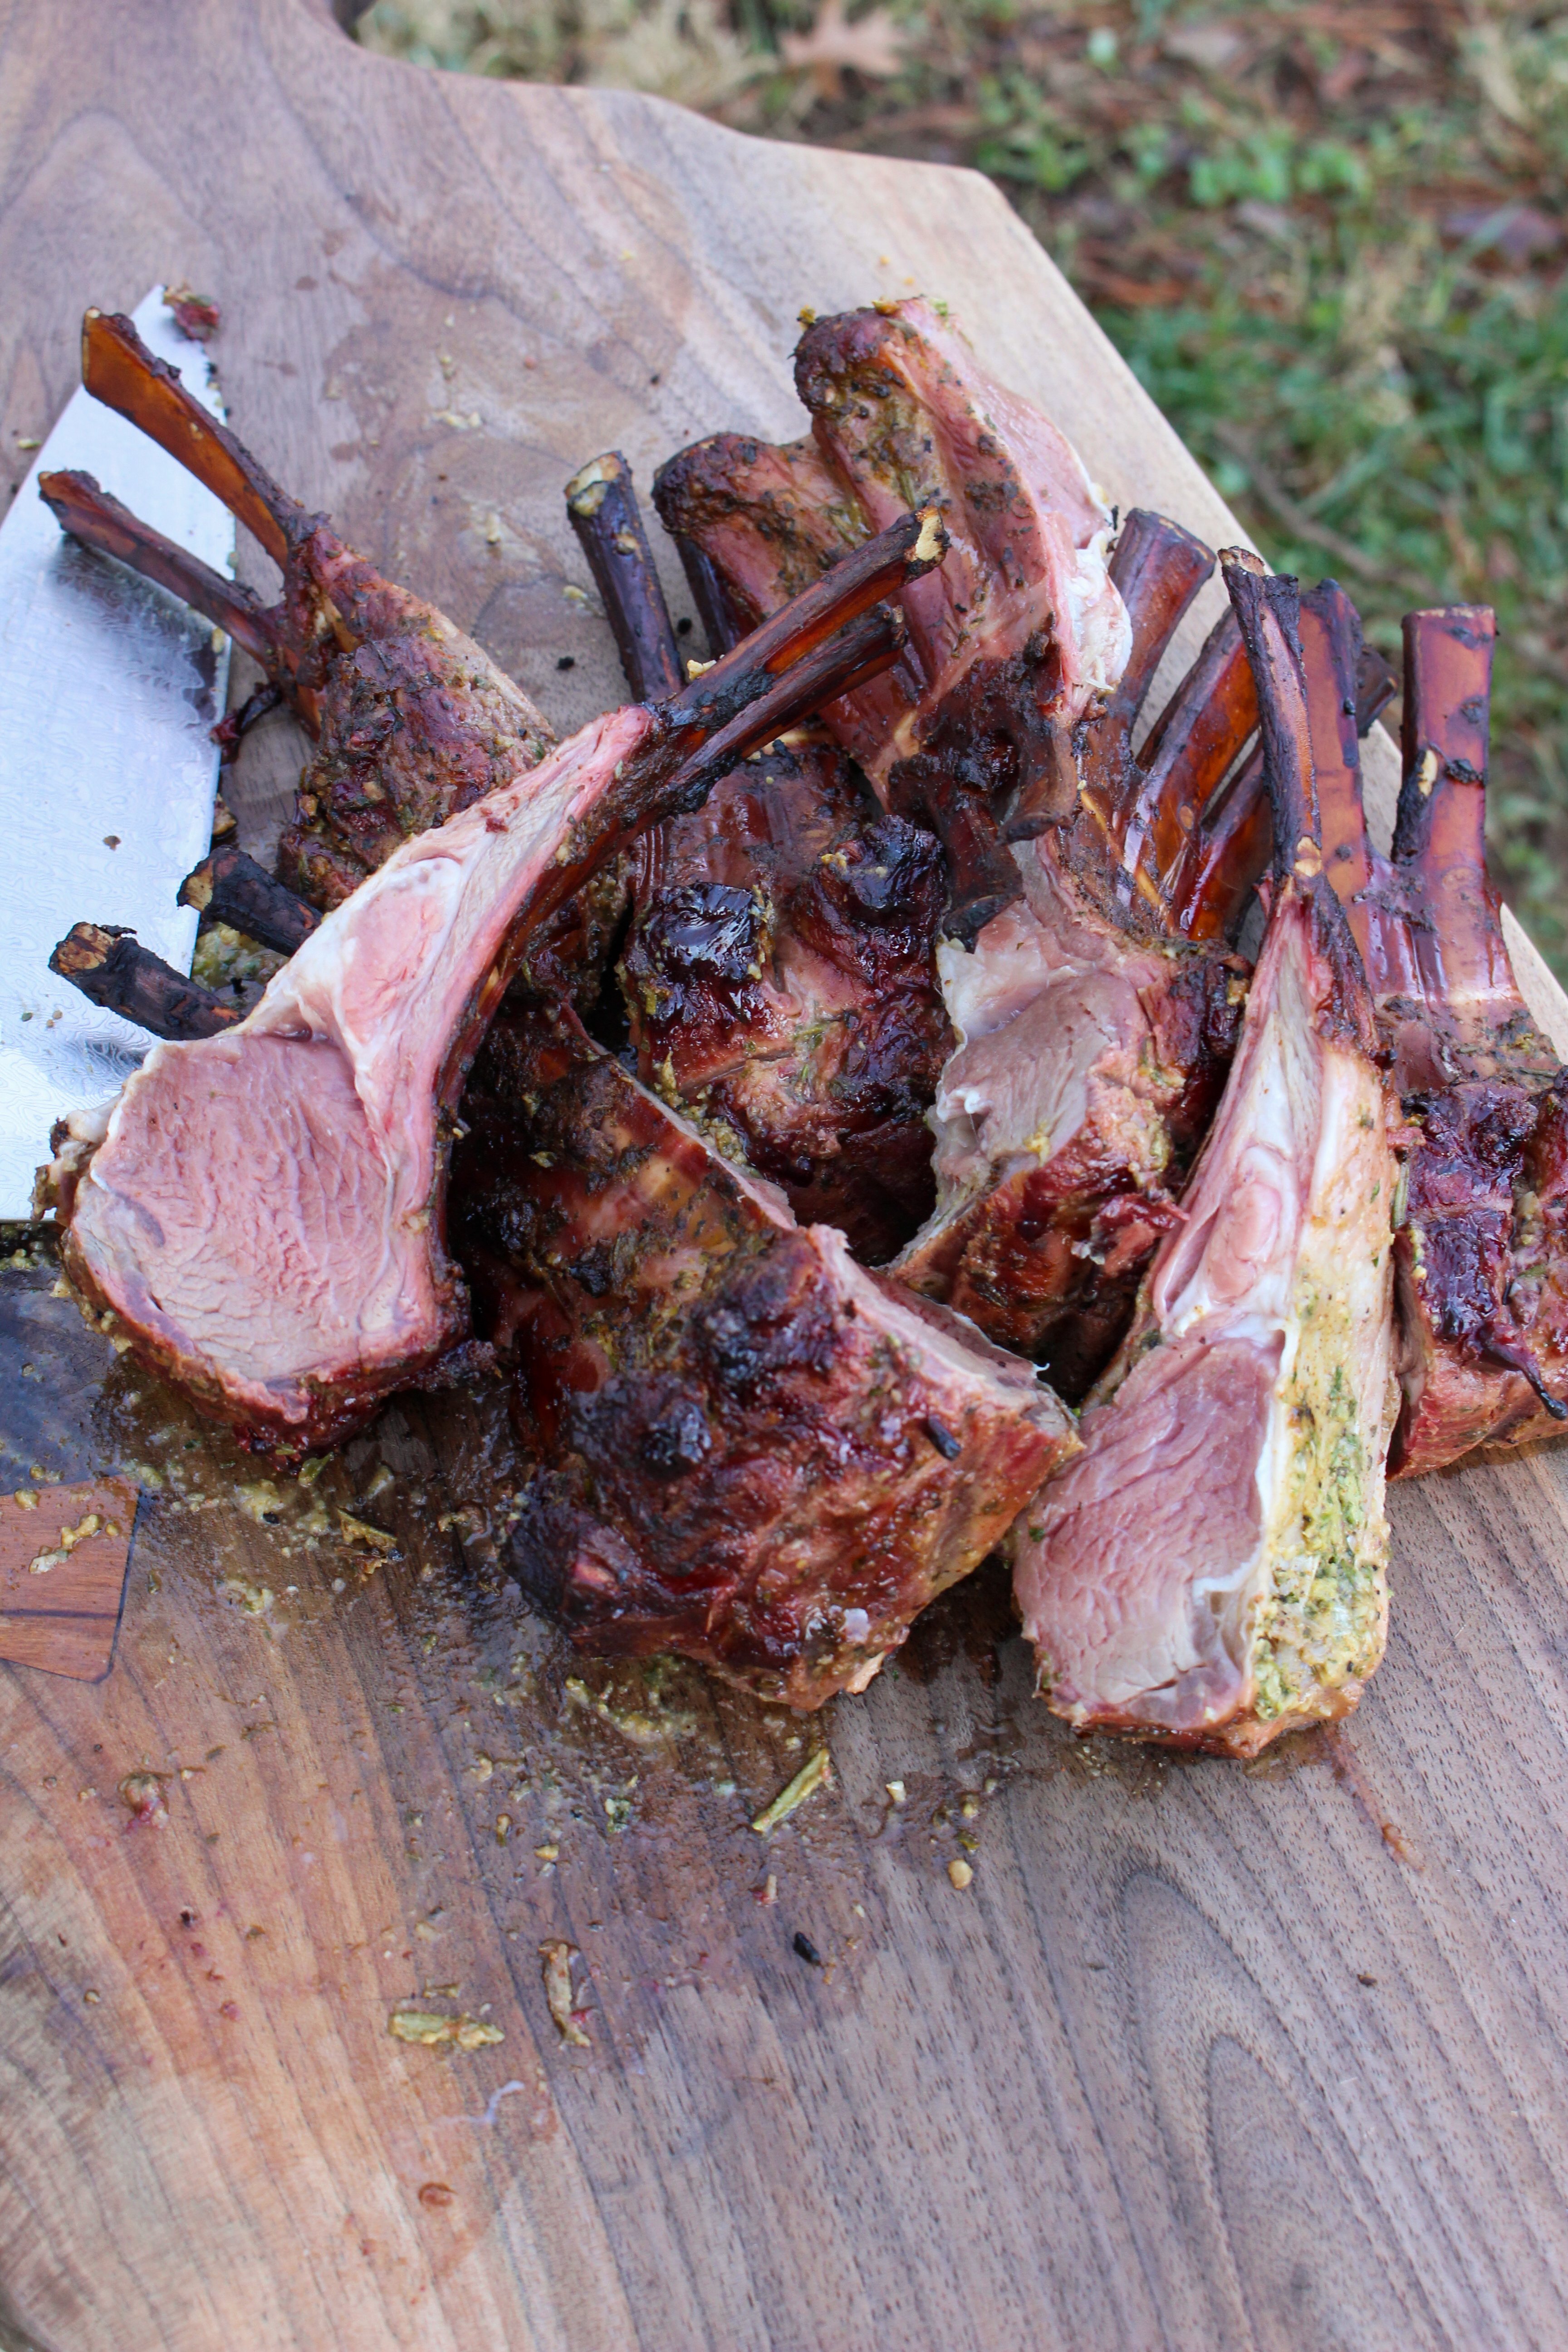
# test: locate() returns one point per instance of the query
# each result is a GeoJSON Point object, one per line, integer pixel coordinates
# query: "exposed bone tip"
{"type": "Point", "coordinates": [587, 490]}
{"type": "Point", "coordinates": [1309, 858]}
{"type": "Point", "coordinates": [196, 889]}
{"type": "Point", "coordinates": [1242, 559]}
{"type": "Point", "coordinates": [85, 948]}
{"type": "Point", "coordinates": [1427, 773]}
{"type": "Point", "coordinates": [932, 544]}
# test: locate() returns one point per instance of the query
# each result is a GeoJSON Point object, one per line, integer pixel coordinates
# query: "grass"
{"type": "Point", "coordinates": [1328, 238]}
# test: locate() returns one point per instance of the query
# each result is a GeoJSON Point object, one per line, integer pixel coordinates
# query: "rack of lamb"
{"type": "Point", "coordinates": [1482, 1248]}
{"type": "Point", "coordinates": [260, 1213]}
{"type": "Point", "coordinates": [1211, 1569]}
{"type": "Point", "coordinates": [1091, 983]}
{"type": "Point", "coordinates": [756, 1453]}
{"type": "Point", "coordinates": [778, 970]}
{"type": "Point", "coordinates": [1019, 640]}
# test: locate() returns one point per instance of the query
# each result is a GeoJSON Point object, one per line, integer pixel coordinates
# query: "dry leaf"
{"type": "Point", "coordinates": [872, 46]}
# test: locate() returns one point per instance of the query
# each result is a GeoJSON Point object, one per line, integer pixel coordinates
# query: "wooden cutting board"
{"type": "Point", "coordinates": [1203, 2057]}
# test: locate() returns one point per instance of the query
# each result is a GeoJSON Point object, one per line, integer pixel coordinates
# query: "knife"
{"type": "Point", "coordinates": [107, 688]}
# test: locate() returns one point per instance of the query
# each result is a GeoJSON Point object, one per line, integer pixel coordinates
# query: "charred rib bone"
{"type": "Point", "coordinates": [229, 888]}
{"type": "Point", "coordinates": [265, 1213]}
{"type": "Point", "coordinates": [112, 967]}
{"type": "Point", "coordinates": [1212, 1568]}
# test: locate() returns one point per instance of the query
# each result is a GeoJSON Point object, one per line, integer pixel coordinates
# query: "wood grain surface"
{"type": "Point", "coordinates": [1204, 2056]}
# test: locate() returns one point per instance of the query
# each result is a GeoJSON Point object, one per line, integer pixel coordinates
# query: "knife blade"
{"type": "Point", "coordinates": [107, 688]}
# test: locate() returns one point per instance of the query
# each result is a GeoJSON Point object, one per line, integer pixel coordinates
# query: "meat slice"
{"type": "Point", "coordinates": [1482, 1249]}
{"type": "Point", "coordinates": [413, 721]}
{"type": "Point", "coordinates": [1096, 1017]}
{"type": "Point", "coordinates": [972, 733]}
{"type": "Point", "coordinates": [763, 1456]}
{"type": "Point", "coordinates": [778, 967]}
{"type": "Point", "coordinates": [262, 1211]}
{"type": "Point", "coordinates": [1212, 1568]}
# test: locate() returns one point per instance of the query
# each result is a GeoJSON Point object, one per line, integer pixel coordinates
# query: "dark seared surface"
{"type": "Point", "coordinates": [752, 1461]}
{"type": "Point", "coordinates": [1483, 1252]}
{"type": "Point", "coordinates": [780, 984]}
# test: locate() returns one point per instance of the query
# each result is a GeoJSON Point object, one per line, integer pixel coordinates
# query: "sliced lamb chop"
{"type": "Point", "coordinates": [972, 733]}
{"type": "Point", "coordinates": [262, 1211]}
{"type": "Point", "coordinates": [1096, 1019]}
{"type": "Point", "coordinates": [1212, 1568]}
{"type": "Point", "coordinates": [413, 721]}
{"type": "Point", "coordinates": [780, 981]}
{"type": "Point", "coordinates": [1483, 1252]}
{"type": "Point", "coordinates": [763, 1456]}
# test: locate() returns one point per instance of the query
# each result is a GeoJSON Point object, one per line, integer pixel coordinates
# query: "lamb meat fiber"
{"type": "Point", "coordinates": [762, 1455]}
{"type": "Point", "coordinates": [1211, 1569]}
{"type": "Point", "coordinates": [778, 968]}
{"type": "Point", "coordinates": [972, 731]}
{"type": "Point", "coordinates": [1481, 1252]}
{"type": "Point", "coordinates": [262, 1211]}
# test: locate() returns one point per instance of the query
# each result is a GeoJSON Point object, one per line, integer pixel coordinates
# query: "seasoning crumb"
{"type": "Point", "coordinates": [960, 1873]}
{"type": "Point", "coordinates": [93, 1997]}
{"type": "Point", "coordinates": [555, 1958]}
{"type": "Point", "coordinates": [805, 1949]}
{"type": "Point", "coordinates": [1365, 1980]}
{"type": "Point", "coordinates": [360, 1532]}
{"type": "Point", "coordinates": [896, 1791]}
{"type": "Point", "coordinates": [433, 2033]}
{"type": "Point", "coordinates": [435, 2194]}
{"type": "Point", "coordinates": [814, 1774]}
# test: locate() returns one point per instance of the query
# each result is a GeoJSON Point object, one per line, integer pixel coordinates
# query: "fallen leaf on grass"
{"type": "Point", "coordinates": [872, 46]}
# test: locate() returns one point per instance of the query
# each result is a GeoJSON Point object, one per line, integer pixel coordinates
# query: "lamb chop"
{"type": "Point", "coordinates": [1482, 1255]}
{"type": "Point", "coordinates": [413, 723]}
{"type": "Point", "coordinates": [1097, 1010]}
{"type": "Point", "coordinates": [779, 977]}
{"type": "Point", "coordinates": [759, 1455]}
{"type": "Point", "coordinates": [1097, 1017]}
{"type": "Point", "coordinates": [972, 731]}
{"type": "Point", "coordinates": [1211, 1569]}
{"type": "Point", "coordinates": [261, 1212]}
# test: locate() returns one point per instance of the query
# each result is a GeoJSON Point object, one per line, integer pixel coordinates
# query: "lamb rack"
{"type": "Point", "coordinates": [780, 984]}
{"type": "Point", "coordinates": [263, 1212]}
{"type": "Point", "coordinates": [1096, 1017]}
{"type": "Point", "coordinates": [972, 733]}
{"type": "Point", "coordinates": [413, 721]}
{"type": "Point", "coordinates": [1482, 1251]}
{"type": "Point", "coordinates": [759, 1455]}
{"type": "Point", "coordinates": [1211, 1569]}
